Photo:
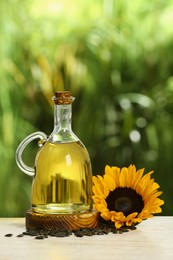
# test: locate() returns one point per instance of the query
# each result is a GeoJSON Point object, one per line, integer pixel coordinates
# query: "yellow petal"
{"type": "Point", "coordinates": [145, 214]}
{"type": "Point", "coordinates": [95, 180]}
{"type": "Point", "coordinates": [131, 216]}
{"type": "Point", "coordinates": [104, 186]}
{"type": "Point", "coordinates": [100, 207]}
{"type": "Point", "coordinates": [110, 182]}
{"type": "Point", "coordinates": [118, 224]}
{"type": "Point", "coordinates": [115, 174]}
{"type": "Point", "coordinates": [122, 178]}
{"type": "Point", "coordinates": [105, 215]}
{"type": "Point", "coordinates": [129, 222]}
{"type": "Point", "coordinates": [130, 176]}
{"type": "Point", "coordinates": [108, 169]}
{"type": "Point", "coordinates": [137, 220]}
{"type": "Point", "coordinates": [98, 191]}
{"type": "Point", "coordinates": [119, 216]}
{"type": "Point", "coordinates": [139, 174]}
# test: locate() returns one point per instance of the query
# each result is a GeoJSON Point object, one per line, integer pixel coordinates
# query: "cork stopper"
{"type": "Point", "coordinates": [63, 98]}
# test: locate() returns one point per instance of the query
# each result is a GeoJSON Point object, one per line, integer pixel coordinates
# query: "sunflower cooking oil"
{"type": "Point", "coordinates": [63, 180]}
{"type": "Point", "coordinates": [62, 174]}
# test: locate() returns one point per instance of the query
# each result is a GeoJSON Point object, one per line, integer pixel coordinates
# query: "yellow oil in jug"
{"type": "Point", "coordinates": [62, 183]}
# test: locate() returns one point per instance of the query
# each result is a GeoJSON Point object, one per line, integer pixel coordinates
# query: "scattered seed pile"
{"type": "Point", "coordinates": [104, 229]}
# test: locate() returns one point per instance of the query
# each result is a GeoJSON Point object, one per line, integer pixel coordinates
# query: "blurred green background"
{"type": "Point", "coordinates": [116, 57]}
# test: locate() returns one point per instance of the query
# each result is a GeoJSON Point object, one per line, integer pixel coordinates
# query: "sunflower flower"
{"type": "Point", "coordinates": [125, 196]}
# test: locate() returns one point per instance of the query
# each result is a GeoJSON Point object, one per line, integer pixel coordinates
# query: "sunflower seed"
{"type": "Point", "coordinates": [125, 230]}
{"type": "Point", "coordinates": [8, 235]}
{"type": "Point", "coordinates": [78, 234]}
{"type": "Point", "coordinates": [132, 228]}
{"type": "Point", "coordinates": [39, 237]}
{"type": "Point", "coordinates": [114, 231]}
{"type": "Point", "coordinates": [99, 232]}
{"type": "Point", "coordinates": [20, 235]}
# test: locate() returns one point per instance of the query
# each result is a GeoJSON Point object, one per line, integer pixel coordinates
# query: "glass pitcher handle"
{"type": "Point", "coordinates": [26, 169]}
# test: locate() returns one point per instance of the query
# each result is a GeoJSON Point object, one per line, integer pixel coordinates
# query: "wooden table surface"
{"type": "Point", "coordinates": [153, 239]}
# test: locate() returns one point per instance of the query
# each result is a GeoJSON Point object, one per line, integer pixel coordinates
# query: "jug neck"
{"type": "Point", "coordinates": [62, 117]}
{"type": "Point", "coordinates": [62, 132]}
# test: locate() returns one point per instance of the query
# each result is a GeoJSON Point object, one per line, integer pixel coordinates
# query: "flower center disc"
{"type": "Point", "coordinates": [124, 200]}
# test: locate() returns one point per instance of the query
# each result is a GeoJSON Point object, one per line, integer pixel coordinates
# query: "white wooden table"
{"type": "Point", "coordinates": [153, 239]}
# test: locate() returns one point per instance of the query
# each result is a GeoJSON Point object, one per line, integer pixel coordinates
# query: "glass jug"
{"type": "Point", "coordinates": [62, 176]}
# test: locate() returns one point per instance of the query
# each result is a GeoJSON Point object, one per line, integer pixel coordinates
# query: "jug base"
{"type": "Point", "coordinates": [42, 221]}
{"type": "Point", "coordinates": [62, 208]}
